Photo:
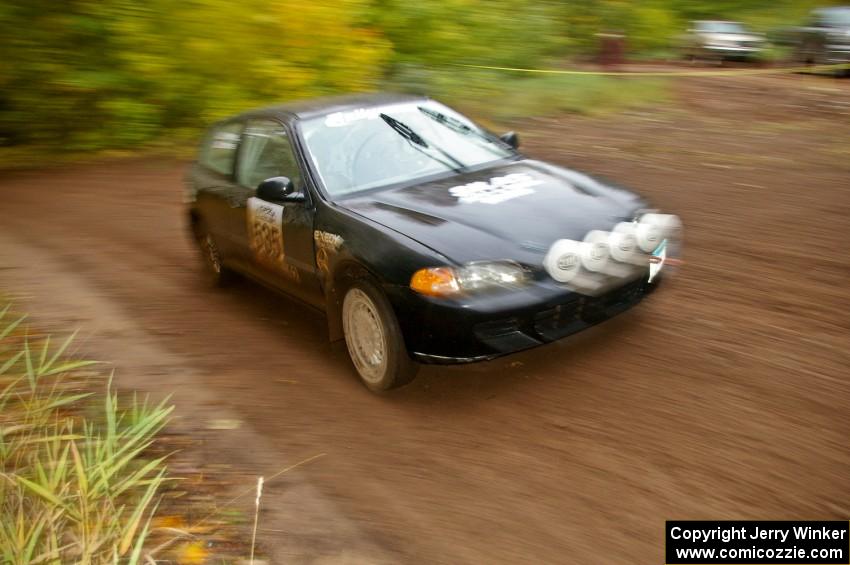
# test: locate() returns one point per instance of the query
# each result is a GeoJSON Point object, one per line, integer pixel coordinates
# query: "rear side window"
{"type": "Point", "coordinates": [219, 149]}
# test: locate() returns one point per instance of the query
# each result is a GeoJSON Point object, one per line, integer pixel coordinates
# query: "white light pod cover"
{"type": "Point", "coordinates": [595, 250]}
{"type": "Point", "coordinates": [623, 242]}
{"type": "Point", "coordinates": [650, 231]}
{"type": "Point", "coordinates": [563, 261]}
{"type": "Point", "coordinates": [673, 227]}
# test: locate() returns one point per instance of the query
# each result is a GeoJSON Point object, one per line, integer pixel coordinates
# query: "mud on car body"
{"type": "Point", "coordinates": [423, 237]}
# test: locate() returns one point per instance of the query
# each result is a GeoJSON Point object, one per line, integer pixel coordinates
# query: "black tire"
{"type": "Point", "coordinates": [805, 58]}
{"type": "Point", "coordinates": [216, 273]}
{"type": "Point", "coordinates": [381, 361]}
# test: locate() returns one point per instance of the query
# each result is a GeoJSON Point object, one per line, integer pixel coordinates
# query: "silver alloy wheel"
{"type": "Point", "coordinates": [212, 254]}
{"type": "Point", "coordinates": [364, 335]}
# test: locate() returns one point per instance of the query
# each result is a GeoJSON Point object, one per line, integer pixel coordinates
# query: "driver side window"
{"type": "Point", "coordinates": [266, 152]}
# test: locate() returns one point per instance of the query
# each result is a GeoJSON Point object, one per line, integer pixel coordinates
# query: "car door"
{"type": "Point", "coordinates": [276, 238]}
{"type": "Point", "coordinates": [213, 180]}
{"type": "Point", "coordinates": [812, 41]}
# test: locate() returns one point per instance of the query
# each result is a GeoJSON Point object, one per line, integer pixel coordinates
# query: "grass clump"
{"type": "Point", "coordinates": [75, 486]}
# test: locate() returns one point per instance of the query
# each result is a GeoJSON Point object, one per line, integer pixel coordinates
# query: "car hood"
{"type": "Point", "coordinates": [512, 211]}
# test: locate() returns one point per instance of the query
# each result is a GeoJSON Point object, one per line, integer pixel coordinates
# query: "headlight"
{"type": "Point", "coordinates": [477, 276]}
{"type": "Point", "coordinates": [472, 277]}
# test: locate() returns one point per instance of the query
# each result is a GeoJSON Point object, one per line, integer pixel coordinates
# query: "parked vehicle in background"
{"type": "Point", "coordinates": [826, 38]}
{"type": "Point", "coordinates": [717, 40]}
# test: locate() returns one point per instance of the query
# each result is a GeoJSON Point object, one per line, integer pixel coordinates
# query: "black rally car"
{"type": "Point", "coordinates": [421, 235]}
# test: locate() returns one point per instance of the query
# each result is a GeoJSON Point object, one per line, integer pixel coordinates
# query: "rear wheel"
{"type": "Point", "coordinates": [374, 340]}
{"type": "Point", "coordinates": [214, 268]}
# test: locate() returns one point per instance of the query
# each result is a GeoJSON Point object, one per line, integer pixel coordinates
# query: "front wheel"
{"type": "Point", "coordinates": [374, 340]}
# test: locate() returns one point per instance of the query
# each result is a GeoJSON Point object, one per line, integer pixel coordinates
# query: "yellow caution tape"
{"type": "Point", "coordinates": [728, 72]}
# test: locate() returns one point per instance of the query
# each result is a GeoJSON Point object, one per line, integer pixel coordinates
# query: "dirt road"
{"type": "Point", "coordinates": [725, 396]}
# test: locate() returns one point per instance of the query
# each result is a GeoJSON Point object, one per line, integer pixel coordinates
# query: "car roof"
{"type": "Point", "coordinates": [832, 9]}
{"type": "Point", "coordinates": [312, 107]}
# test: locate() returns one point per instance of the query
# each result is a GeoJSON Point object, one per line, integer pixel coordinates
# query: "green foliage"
{"type": "Point", "coordinates": [72, 489]}
{"type": "Point", "coordinates": [85, 75]}
{"type": "Point", "coordinates": [492, 32]}
{"type": "Point", "coordinates": [118, 73]}
{"type": "Point", "coordinates": [493, 96]}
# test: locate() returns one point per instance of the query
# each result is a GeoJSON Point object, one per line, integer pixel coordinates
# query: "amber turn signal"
{"type": "Point", "coordinates": [435, 281]}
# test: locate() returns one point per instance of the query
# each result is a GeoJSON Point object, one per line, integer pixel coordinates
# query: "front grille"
{"type": "Point", "coordinates": [504, 335]}
{"type": "Point", "coordinates": [560, 317]}
{"type": "Point", "coordinates": [612, 303]}
{"type": "Point", "coordinates": [582, 311]}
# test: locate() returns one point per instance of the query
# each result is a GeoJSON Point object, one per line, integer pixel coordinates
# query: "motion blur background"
{"type": "Point", "coordinates": [724, 396]}
{"type": "Point", "coordinates": [86, 75]}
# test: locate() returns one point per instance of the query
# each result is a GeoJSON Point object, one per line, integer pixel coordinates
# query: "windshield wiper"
{"type": "Point", "coordinates": [417, 142]}
{"type": "Point", "coordinates": [458, 126]}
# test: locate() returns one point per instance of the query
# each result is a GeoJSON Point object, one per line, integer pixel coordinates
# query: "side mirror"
{"type": "Point", "coordinates": [511, 138]}
{"type": "Point", "coordinates": [279, 189]}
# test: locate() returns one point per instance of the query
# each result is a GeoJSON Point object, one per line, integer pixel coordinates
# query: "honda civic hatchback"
{"type": "Point", "coordinates": [423, 237]}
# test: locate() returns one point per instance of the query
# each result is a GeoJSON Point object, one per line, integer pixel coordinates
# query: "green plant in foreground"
{"type": "Point", "coordinates": [73, 489]}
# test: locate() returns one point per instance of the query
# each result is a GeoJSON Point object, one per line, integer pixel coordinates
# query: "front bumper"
{"type": "Point", "coordinates": [837, 54]}
{"type": "Point", "coordinates": [484, 327]}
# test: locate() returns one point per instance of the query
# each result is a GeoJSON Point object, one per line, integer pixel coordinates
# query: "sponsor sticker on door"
{"type": "Point", "coordinates": [265, 232]}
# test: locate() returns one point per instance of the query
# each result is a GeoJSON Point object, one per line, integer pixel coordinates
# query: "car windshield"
{"type": "Point", "coordinates": [721, 27]}
{"type": "Point", "coordinates": [837, 17]}
{"type": "Point", "coordinates": [379, 146]}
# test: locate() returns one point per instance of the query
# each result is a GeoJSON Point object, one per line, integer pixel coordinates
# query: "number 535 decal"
{"type": "Point", "coordinates": [265, 232]}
